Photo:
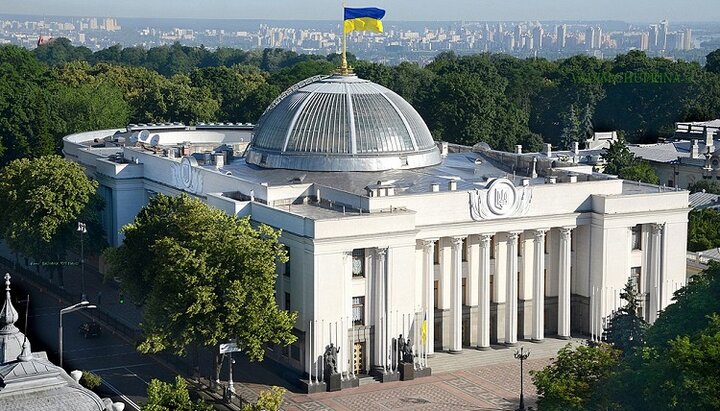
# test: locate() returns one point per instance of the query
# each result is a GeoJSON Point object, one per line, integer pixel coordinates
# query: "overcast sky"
{"type": "Point", "coordinates": [627, 10]}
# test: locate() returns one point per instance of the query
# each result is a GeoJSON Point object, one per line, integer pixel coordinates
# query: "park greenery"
{"type": "Point", "coordinates": [672, 365]}
{"type": "Point", "coordinates": [58, 88]}
{"type": "Point", "coordinates": [41, 200]}
{"type": "Point", "coordinates": [175, 396]}
{"type": "Point", "coordinates": [204, 278]}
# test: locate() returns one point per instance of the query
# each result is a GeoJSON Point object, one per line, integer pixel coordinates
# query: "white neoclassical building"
{"type": "Point", "coordinates": [387, 230]}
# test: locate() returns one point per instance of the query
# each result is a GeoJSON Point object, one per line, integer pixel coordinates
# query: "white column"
{"type": "Point", "coordinates": [538, 321]}
{"type": "Point", "coordinates": [564, 283]}
{"type": "Point", "coordinates": [511, 288]}
{"type": "Point", "coordinates": [483, 339]}
{"type": "Point", "coordinates": [345, 344]}
{"type": "Point", "coordinates": [655, 282]}
{"type": "Point", "coordinates": [429, 282]}
{"type": "Point", "coordinates": [379, 307]}
{"type": "Point", "coordinates": [456, 296]}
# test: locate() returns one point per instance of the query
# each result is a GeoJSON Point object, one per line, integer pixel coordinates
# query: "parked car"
{"type": "Point", "coordinates": [90, 329]}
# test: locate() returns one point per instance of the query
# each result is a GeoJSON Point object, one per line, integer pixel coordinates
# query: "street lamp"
{"type": "Point", "coordinates": [75, 307]}
{"type": "Point", "coordinates": [82, 229]}
{"type": "Point", "coordinates": [521, 355]}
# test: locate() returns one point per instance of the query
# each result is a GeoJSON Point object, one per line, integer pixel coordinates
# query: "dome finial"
{"type": "Point", "coordinates": [8, 314]}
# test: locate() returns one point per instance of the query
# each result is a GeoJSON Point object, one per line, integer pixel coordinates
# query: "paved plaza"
{"type": "Point", "coordinates": [472, 380]}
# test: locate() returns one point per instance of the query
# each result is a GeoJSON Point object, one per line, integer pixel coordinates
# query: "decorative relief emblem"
{"type": "Point", "coordinates": [186, 175]}
{"type": "Point", "coordinates": [500, 198]}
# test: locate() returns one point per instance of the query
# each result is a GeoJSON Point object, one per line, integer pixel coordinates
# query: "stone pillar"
{"type": "Point", "coordinates": [564, 284]}
{"type": "Point", "coordinates": [511, 288]}
{"type": "Point", "coordinates": [379, 311]}
{"type": "Point", "coordinates": [654, 280]}
{"type": "Point", "coordinates": [538, 320]}
{"type": "Point", "coordinates": [472, 288]}
{"type": "Point", "coordinates": [483, 339]}
{"type": "Point", "coordinates": [456, 296]}
{"type": "Point", "coordinates": [429, 282]}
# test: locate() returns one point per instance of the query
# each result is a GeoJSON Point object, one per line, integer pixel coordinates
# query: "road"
{"type": "Point", "coordinates": [125, 372]}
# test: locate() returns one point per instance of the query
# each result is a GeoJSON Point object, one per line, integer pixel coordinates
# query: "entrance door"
{"type": "Point", "coordinates": [359, 358]}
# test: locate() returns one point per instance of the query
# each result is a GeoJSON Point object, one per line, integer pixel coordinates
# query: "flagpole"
{"type": "Point", "coordinates": [343, 65]}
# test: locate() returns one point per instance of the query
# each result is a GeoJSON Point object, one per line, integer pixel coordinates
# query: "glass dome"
{"type": "Point", "coordinates": [341, 123]}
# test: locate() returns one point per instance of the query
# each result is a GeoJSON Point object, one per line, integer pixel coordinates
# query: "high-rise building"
{"type": "Point", "coordinates": [653, 37]}
{"type": "Point", "coordinates": [561, 36]}
{"type": "Point", "coordinates": [538, 33]}
{"type": "Point", "coordinates": [688, 43]}
{"type": "Point", "coordinates": [662, 35]}
{"type": "Point", "coordinates": [644, 41]}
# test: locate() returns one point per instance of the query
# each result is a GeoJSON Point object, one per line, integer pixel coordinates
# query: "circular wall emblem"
{"type": "Point", "coordinates": [501, 197]}
{"type": "Point", "coordinates": [186, 171]}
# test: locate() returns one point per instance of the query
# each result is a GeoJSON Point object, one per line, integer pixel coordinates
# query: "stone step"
{"type": "Point", "coordinates": [366, 379]}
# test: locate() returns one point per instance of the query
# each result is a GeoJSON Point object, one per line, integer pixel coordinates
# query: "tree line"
{"type": "Point", "coordinates": [58, 88]}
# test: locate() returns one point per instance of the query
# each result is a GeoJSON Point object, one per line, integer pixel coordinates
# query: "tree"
{"type": "Point", "coordinates": [163, 396]}
{"type": "Point", "coordinates": [205, 277]}
{"type": "Point", "coordinates": [639, 170]}
{"type": "Point", "coordinates": [617, 157]}
{"type": "Point", "coordinates": [712, 62]}
{"type": "Point", "coordinates": [703, 229]}
{"type": "Point", "coordinates": [626, 330]}
{"type": "Point", "coordinates": [268, 400]}
{"type": "Point", "coordinates": [571, 129]}
{"type": "Point", "coordinates": [40, 202]}
{"type": "Point", "coordinates": [577, 379]}
{"type": "Point", "coordinates": [707, 186]}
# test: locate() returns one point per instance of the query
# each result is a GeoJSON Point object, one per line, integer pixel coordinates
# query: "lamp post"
{"type": "Point", "coordinates": [75, 307]}
{"type": "Point", "coordinates": [82, 229]}
{"type": "Point", "coordinates": [521, 355]}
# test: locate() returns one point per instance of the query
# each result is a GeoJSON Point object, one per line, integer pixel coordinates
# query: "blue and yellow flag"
{"type": "Point", "coordinates": [423, 330]}
{"type": "Point", "coordinates": [364, 19]}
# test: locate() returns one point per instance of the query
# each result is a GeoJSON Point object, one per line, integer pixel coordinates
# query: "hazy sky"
{"type": "Point", "coordinates": [627, 10]}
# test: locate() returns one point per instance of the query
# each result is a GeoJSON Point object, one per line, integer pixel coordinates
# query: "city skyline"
{"type": "Point", "coordinates": [398, 10]}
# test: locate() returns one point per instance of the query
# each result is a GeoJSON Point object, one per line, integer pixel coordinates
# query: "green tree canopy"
{"type": "Point", "coordinates": [163, 396]}
{"type": "Point", "coordinates": [205, 278]}
{"type": "Point", "coordinates": [40, 202]}
{"type": "Point", "coordinates": [703, 229]}
{"type": "Point", "coordinates": [709, 186]}
{"type": "Point", "coordinates": [626, 330]}
{"type": "Point", "coordinates": [577, 378]}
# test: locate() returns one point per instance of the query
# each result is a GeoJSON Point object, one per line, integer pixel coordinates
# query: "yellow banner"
{"type": "Point", "coordinates": [363, 24]}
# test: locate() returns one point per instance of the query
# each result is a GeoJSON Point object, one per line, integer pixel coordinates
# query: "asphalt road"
{"type": "Point", "coordinates": [125, 372]}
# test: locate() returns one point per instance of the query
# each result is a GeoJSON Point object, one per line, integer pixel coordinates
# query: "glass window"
{"type": "Point", "coordinates": [492, 247]}
{"type": "Point", "coordinates": [436, 252]}
{"type": "Point", "coordinates": [358, 262]}
{"type": "Point", "coordinates": [637, 237]}
{"type": "Point", "coordinates": [547, 242]}
{"type": "Point", "coordinates": [464, 249]}
{"type": "Point", "coordinates": [635, 277]}
{"type": "Point", "coordinates": [286, 269]}
{"type": "Point", "coordinates": [435, 293]}
{"type": "Point", "coordinates": [358, 310]}
{"type": "Point", "coordinates": [464, 291]}
{"type": "Point", "coordinates": [287, 301]}
{"type": "Point", "coordinates": [295, 352]}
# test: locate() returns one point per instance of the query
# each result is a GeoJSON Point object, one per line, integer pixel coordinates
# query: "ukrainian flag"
{"type": "Point", "coordinates": [423, 329]}
{"type": "Point", "coordinates": [364, 19]}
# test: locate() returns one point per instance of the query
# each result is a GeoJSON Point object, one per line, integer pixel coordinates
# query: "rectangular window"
{"type": "Point", "coordinates": [492, 288]}
{"type": "Point", "coordinates": [295, 352]}
{"type": "Point", "coordinates": [635, 277]}
{"type": "Point", "coordinates": [464, 249]}
{"type": "Point", "coordinates": [287, 301]}
{"type": "Point", "coordinates": [286, 268]}
{"type": "Point", "coordinates": [436, 252]}
{"type": "Point", "coordinates": [358, 310]}
{"type": "Point", "coordinates": [435, 294]}
{"type": "Point", "coordinates": [464, 291]}
{"type": "Point", "coordinates": [572, 240]}
{"type": "Point", "coordinates": [358, 262]}
{"type": "Point", "coordinates": [547, 242]}
{"type": "Point", "coordinates": [492, 247]}
{"type": "Point", "coordinates": [637, 237]}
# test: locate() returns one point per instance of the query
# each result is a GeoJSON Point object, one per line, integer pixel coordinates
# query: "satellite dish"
{"type": "Point", "coordinates": [155, 140]}
{"type": "Point", "coordinates": [143, 136]}
{"type": "Point", "coordinates": [133, 138]}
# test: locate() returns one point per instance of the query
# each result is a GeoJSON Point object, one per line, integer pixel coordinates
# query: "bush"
{"type": "Point", "coordinates": [90, 380]}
